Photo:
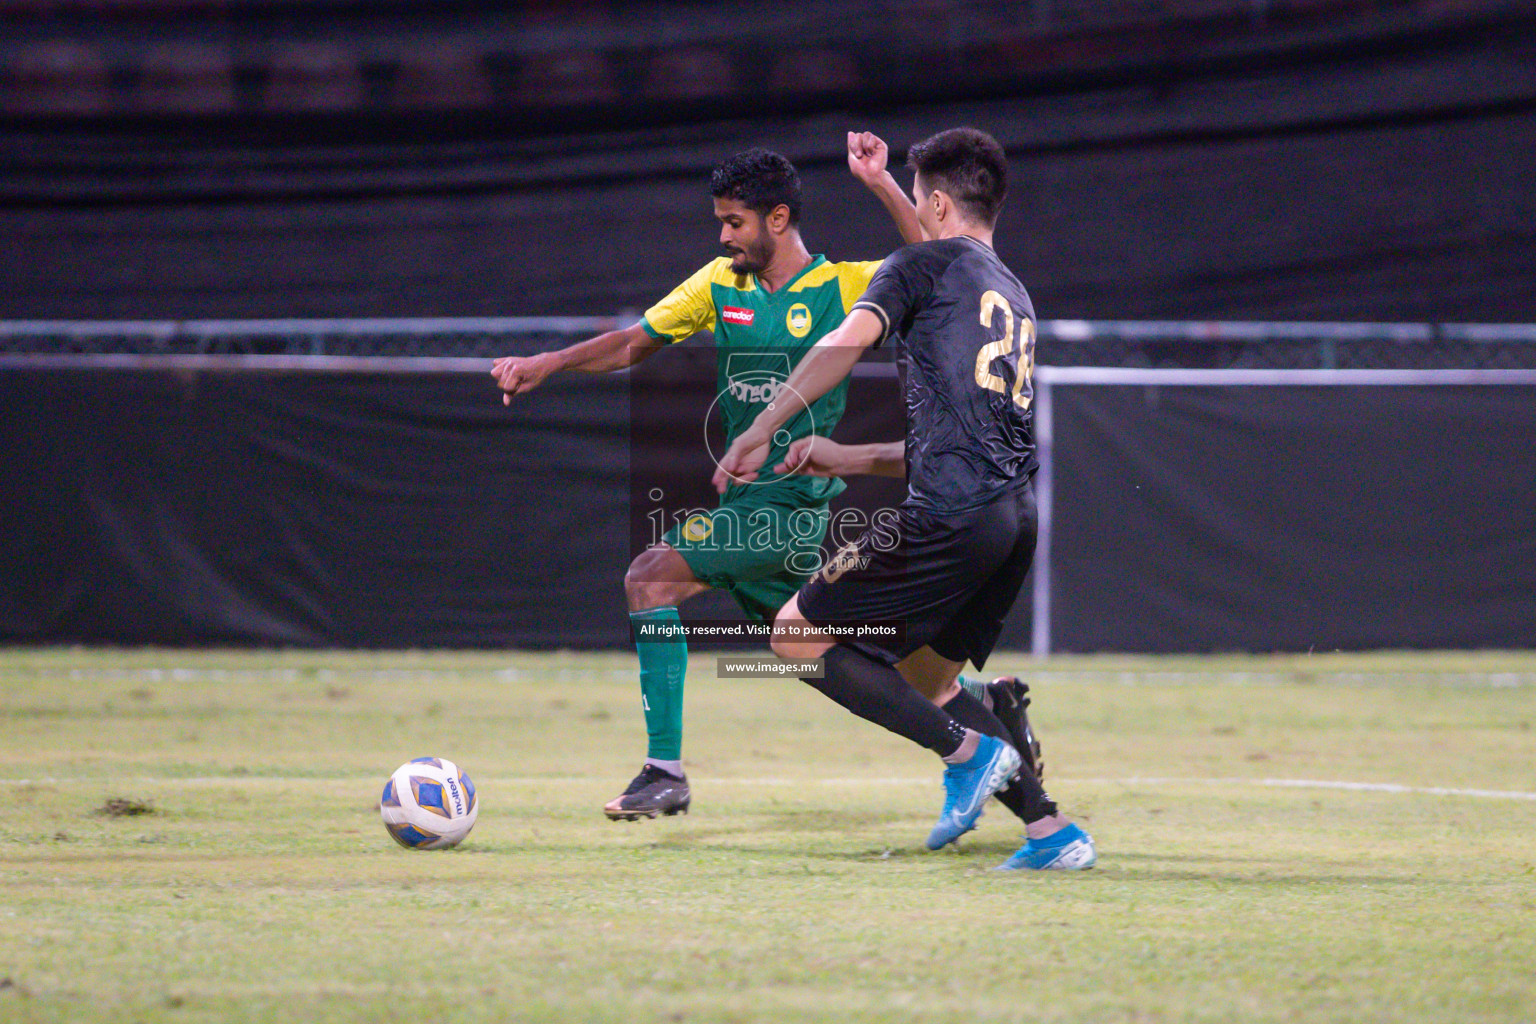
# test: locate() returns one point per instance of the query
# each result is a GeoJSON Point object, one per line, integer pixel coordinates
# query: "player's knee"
{"type": "Point", "coordinates": [644, 582]}
{"type": "Point", "coordinates": [799, 650]}
{"type": "Point", "coordinates": [635, 588]}
{"type": "Point", "coordinates": [783, 642]}
{"type": "Point", "coordinates": [938, 692]}
{"type": "Point", "coordinates": [656, 578]}
{"type": "Point", "coordinates": [790, 639]}
{"type": "Point", "coordinates": [783, 646]}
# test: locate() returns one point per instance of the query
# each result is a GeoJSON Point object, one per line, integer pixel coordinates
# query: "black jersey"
{"type": "Point", "coordinates": [968, 331]}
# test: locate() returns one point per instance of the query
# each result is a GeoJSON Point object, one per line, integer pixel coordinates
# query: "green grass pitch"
{"type": "Point", "coordinates": [262, 887]}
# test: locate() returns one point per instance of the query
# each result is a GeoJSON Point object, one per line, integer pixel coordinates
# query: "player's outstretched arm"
{"type": "Point", "coordinates": [822, 456]}
{"type": "Point", "coordinates": [613, 350]}
{"type": "Point", "coordinates": [867, 158]}
{"type": "Point", "coordinates": [820, 370]}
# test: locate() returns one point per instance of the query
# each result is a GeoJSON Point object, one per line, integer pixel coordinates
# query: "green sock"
{"type": "Point", "coordinates": [976, 688]}
{"type": "Point", "coordinates": [663, 663]}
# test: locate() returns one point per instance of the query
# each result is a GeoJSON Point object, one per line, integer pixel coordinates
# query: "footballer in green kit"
{"type": "Point", "coordinates": [760, 539]}
{"type": "Point", "coordinates": [767, 301]}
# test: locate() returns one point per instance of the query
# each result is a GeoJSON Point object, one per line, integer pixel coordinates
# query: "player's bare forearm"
{"type": "Point", "coordinates": [610, 351]}
{"type": "Point", "coordinates": [887, 459]}
{"type": "Point", "coordinates": [899, 207]}
{"type": "Point", "coordinates": [867, 159]}
{"type": "Point", "coordinates": [822, 456]}
{"type": "Point", "coordinates": [614, 350]}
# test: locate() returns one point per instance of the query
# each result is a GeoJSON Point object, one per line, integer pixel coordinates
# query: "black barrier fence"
{"type": "Point", "coordinates": [397, 503]}
{"type": "Point", "coordinates": [1285, 510]}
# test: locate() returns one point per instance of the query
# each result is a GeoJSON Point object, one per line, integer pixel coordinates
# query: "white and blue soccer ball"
{"type": "Point", "coordinates": [429, 804]}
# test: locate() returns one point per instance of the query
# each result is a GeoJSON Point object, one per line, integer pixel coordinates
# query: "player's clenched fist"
{"type": "Point", "coordinates": [516, 374]}
{"type": "Point", "coordinates": [867, 155]}
{"type": "Point", "coordinates": [743, 459]}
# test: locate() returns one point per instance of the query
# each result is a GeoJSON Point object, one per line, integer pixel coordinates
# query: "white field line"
{"type": "Point", "coordinates": [575, 780]}
{"type": "Point", "coordinates": [1366, 787]}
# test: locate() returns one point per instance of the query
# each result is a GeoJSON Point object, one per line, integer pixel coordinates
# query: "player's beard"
{"type": "Point", "coordinates": [753, 260]}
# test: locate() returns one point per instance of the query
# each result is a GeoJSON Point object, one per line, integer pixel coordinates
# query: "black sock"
{"type": "Point", "coordinates": [973, 714]}
{"type": "Point", "coordinates": [876, 692]}
{"type": "Point", "coordinates": [1024, 795]}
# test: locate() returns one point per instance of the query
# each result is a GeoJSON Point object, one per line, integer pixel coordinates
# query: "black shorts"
{"type": "Point", "coordinates": [948, 578]}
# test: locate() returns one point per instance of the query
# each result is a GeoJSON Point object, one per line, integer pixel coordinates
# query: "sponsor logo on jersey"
{"type": "Point", "coordinates": [756, 392]}
{"type": "Point", "coordinates": [798, 320]}
{"type": "Point", "coordinates": [737, 315]}
{"type": "Point", "coordinates": [757, 379]}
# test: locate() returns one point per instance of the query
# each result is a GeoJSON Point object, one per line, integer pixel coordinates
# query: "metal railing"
{"type": "Point", "coordinates": [1149, 344]}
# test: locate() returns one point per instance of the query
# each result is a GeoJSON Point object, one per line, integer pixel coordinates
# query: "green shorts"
{"type": "Point", "coordinates": [759, 547]}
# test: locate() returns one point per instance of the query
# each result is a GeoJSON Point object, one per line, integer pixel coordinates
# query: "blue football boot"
{"type": "Point", "coordinates": [1070, 849]}
{"type": "Point", "coordinates": [967, 786]}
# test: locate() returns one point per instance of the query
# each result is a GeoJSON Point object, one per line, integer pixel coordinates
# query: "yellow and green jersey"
{"type": "Point", "coordinates": [759, 338]}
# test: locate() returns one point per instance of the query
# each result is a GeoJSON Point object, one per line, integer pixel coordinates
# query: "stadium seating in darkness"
{"type": "Point", "coordinates": [689, 74]}
{"type": "Point", "coordinates": [571, 76]}
{"type": "Point", "coordinates": [443, 77]}
{"type": "Point", "coordinates": [207, 57]}
{"type": "Point", "coordinates": [190, 79]}
{"type": "Point", "coordinates": [57, 78]}
{"type": "Point", "coordinates": [800, 71]}
{"type": "Point", "coordinates": [314, 77]}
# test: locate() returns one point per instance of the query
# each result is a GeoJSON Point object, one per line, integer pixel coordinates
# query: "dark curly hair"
{"type": "Point", "coordinates": [969, 166]}
{"type": "Point", "coordinates": [760, 180]}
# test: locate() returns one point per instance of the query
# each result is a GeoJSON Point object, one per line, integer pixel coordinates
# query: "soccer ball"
{"type": "Point", "coordinates": [428, 804]}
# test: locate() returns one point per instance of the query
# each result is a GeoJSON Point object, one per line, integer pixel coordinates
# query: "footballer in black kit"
{"type": "Point", "coordinates": [966, 529]}
{"type": "Point", "coordinates": [967, 526]}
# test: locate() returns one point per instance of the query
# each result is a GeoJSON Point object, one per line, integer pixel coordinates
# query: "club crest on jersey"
{"type": "Point", "coordinates": [737, 315]}
{"type": "Point", "coordinates": [798, 320]}
{"type": "Point", "coordinates": [698, 528]}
